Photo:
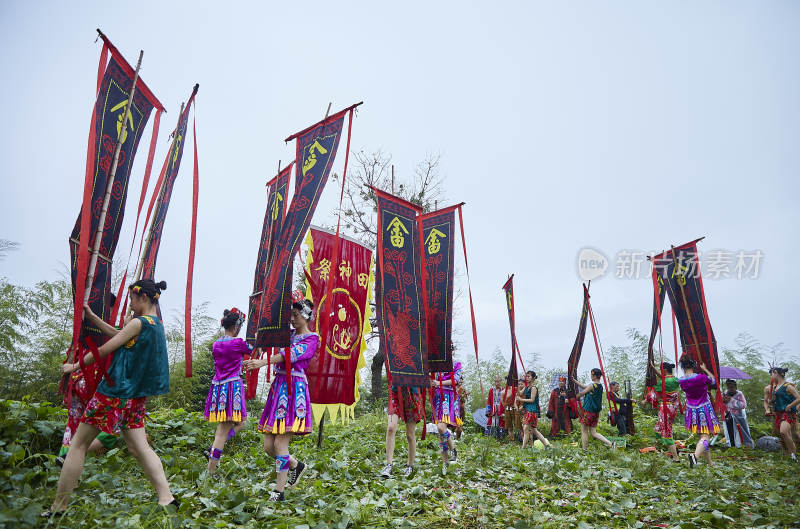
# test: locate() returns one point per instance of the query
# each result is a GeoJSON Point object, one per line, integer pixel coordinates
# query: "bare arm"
{"type": "Point", "coordinates": [108, 330]}
{"type": "Point", "coordinates": [767, 399]}
{"type": "Point", "coordinates": [586, 389]}
{"type": "Point", "coordinates": [794, 393]}
{"type": "Point", "coordinates": [129, 332]}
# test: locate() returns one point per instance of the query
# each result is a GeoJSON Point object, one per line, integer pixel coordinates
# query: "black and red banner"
{"type": "Point", "coordinates": [165, 184]}
{"type": "Point", "coordinates": [438, 238]}
{"type": "Point", "coordinates": [577, 348]}
{"type": "Point", "coordinates": [400, 294]}
{"type": "Point", "coordinates": [108, 128]}
{"type": "Point", "coordinates": [508, 290]}
{"type": "Point", "coordinates": [679, 269]}
{"type": "Point", "coordinates": [277, 190]}
{"type": "Point", "coordinates": [333, 373]}
{"type": "Point", "coordinates": [316, 150]}
{"type": "Point", "coordinates": [651, 375]}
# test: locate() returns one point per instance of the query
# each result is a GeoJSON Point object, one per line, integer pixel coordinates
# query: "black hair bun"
{"type": "Point", "coordinates": [226, 312]}
{"type": "Point", "coordinates": [161, 285]}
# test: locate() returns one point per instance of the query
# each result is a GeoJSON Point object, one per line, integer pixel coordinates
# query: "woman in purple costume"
{"type": "Point", "coordinates": [225, 404]}
{"type": "Point", "coordinates": [700, 416]}
{"type": "Point", "coordinates": [287, 414]}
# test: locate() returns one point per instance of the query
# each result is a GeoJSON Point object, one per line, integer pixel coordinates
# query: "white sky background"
{"type": "Point", "coordinates": [615, 125]}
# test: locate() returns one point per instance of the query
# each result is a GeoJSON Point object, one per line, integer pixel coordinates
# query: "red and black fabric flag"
{"type": "Point", "coordinates": [333, 375]}
{"type": "Point", "coordinates": [508, 289]}
{"type": "Point", "coordinates": [277, 193]}
{"type": "Point", "coordinates": [651, 375]}
{"type": "Point", "coordinates": [316, 150]}
{"type": "Point", "coordinates": [577, 348]}
{"type": "Point", "coordinates": [109, 127]}
{"type": "Point", "coordinates": [438, 236]}
{"type": "Point", "coordinates": [679, 268]}
{"type": "Point", "coordinates": [401, 307]}
{"type": "Point", "coordinates": [163, 194]}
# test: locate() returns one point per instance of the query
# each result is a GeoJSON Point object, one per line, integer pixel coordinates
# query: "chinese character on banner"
{"type": "Point", "coordinates": [333, 373]}
{"type": "Point", "coordinates": [324, 269]}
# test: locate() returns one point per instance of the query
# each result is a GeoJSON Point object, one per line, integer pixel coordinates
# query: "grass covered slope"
{"type": "Point", "coordinates": [492, 485]}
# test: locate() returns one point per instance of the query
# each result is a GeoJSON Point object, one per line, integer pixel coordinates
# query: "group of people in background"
{"type": "Point", "coordinates": [508, 416]}
{"type": "Point", "coordinates": [140, 369]}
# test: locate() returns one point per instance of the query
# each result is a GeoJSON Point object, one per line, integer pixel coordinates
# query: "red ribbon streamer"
{"type": "Point", "coordinates": [187, 337]}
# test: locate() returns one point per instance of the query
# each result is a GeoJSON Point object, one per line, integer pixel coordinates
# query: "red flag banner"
{"type": "Point", "coordinates": [651, 375]}
{"type": "Point", "coordinates": [577, 348]}
{"type": "Point", "coordinates": [401, 310]}
{"type": "Point", "coordinates": [333, 375]}
{"type": "Point", "coordinates": [679, 269]}
{"type": "Point", "coordinates": [108, 128]}
{"type": "Point", "coordinates": [316, 150]}
{"type": "Point", "coordinates": [508, 289]}
{"type": "Point", "coordinates": [438, 237]}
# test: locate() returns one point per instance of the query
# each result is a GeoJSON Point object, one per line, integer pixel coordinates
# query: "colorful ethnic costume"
{"type": "Point", "coordinates": [560, 412]}
{"type": "Point", "coordinates": [225, 401]}
{"type": "Point", "coordinates": [592, 405]}
{"type": "Point", "coordinates": [445, 401]}
{"type": "Point", "coordinates": [406, 403]}
{"type": "Point", "coordinates": [668, 409]}
{"type": "Point", "coordinates": [285, 413]}
{"type": "Point", "coordinates": [532, 411]}
{"type": "Point", "coordinates": [781, 398]}
{"type": "Point", "coordinates": [139, 369]}
{"type": "Point", "coordinates": [700, 416]}
{"type": "Point", "coordinates": [495, 411]}
{"type": "Point", "coordinates": [79, 398]}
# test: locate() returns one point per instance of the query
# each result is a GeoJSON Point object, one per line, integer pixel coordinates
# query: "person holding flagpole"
{"type": "Point", "coordinates": [592, 406]}
{"type": "Point", "coordinates": [139, 369]}
{"type": "Point", "coordinates": [700, 417]}
{"type": "Point", "coordinates": [530, 403]}
{"type": "Point", "coordinates": [288, 413]}
{"type": "Point", "coordinates": [785, 404]}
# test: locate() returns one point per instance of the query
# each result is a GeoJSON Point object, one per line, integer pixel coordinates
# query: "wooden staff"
{"type": "Point", "coordinates": [95, 251]}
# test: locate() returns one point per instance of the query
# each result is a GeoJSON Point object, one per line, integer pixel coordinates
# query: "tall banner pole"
{"type": "Point", "coordinates": [95, 251]}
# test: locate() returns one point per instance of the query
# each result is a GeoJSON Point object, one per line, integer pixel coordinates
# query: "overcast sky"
{"type": "Point", "coordinates": [562, 125]}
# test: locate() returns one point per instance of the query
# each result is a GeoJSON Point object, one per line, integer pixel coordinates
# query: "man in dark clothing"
{"type": "Point", "coordinates": [623, 411]}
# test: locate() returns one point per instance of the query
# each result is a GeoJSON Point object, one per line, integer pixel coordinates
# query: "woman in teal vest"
{"type": "Point", "coordinates": [139, 369]}
{"type": "Point", "coordinates": [785, 403]}
{"type": "Point", "coordinates": [530, 402]}
{"type": "Point", "coordinates": [592, 395]}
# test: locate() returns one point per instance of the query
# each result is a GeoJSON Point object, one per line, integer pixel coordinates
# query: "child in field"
{"type": "Point", "coordinates": [286, 415]}
{"type": "Point", "coordinates": [225, 404]}
{"type": "Point", "coordinates": [140, 369]}
{"type": "Point", "coordinates": [446, 411]}
{"type": "Point", "coordinates": [700, 417]}
{"type": "Point", "coordinates": [592, 406]}
{"type": "Point", "coordinates": [530, 403]}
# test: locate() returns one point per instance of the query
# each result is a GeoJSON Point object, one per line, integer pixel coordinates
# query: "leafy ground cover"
{"type": "Point", "coordinates": [493, 484]}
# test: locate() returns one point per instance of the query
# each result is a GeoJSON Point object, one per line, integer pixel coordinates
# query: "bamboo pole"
{"type": "Point", "coordinates": [95, 251]}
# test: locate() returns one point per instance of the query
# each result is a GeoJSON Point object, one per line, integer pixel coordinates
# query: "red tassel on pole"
{"type": "Point", "coordinates": [471, 306]}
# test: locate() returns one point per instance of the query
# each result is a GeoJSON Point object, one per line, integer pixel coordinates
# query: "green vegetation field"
{"type": "Point", "coordinates": [492, 485]}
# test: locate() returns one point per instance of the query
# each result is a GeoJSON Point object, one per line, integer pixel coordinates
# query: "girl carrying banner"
{"type": "Point", "coordinates": [530, 403]}
{"type": "Point", "coordinates": [287, 414]}
{"type": "Point", "coordinates": [225, 404]}
{"type": "Point", "coordinates": [785, 403]}
{"type": "Point", "coordinates": [140, 369]}
{"type": "Point", "coordinates": [446, 411]}
{"type": "Point", "coordinates": [700, 417]}
{"type": "Point", "coordinates": [592, 406]}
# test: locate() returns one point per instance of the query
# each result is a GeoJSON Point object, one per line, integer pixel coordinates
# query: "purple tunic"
{"type": "Point", "coordinates": [284, 413]}
{"type": "Point", "coordinates": [700, 417]}
{"type": "Point", "coordinates": [225, 401]}
{"type": "Point", "coordinates": [446, 404]}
